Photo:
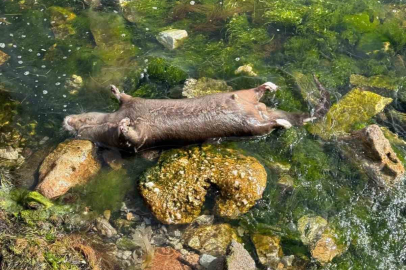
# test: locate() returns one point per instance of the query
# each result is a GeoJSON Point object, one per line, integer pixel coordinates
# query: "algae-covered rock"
{"type": "Point", "coordinates": [204, 86]}
{"type": "Point", "coordinates": [172, 38]}
{"type": "Point", "coordinates": [378, 82]}
{"type": "Point", "coordinates": [73, 84]}
{"type": "Point", "coordinates": [3, 57]}
{"type": "Point", "coordinates": [211, 239]}
{"type": "Point", "coordinates": [321, 239]}
{"type": "Point", "coordinates": [354, 108]}
{"type": "Point", "coordinates": [245, 70]}
{"type": "Point", "coordinates": [311, 228]}
{"type": "Point", "coordinates": [61, 21]}
{"type": "Point", "coordinates": [176, 187]}
{"type": "Point", "coordinates": [371, 151]}
{"type": "Point", "coordinates": [71, 163]}
{"type": "Point", "coordinates": [10, 157]}
{"type": "Point", "coordinates": [268, 249]}
{"type": "Point", "coordinates": [159, 69]}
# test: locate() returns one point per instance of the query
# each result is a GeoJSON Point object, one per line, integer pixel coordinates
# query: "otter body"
{"type": "Point", "coordinates": [143, 123]}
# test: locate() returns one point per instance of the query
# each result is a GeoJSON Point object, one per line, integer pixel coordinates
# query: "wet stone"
{"type": "Point", "coordinates": [373, 153]}
{"type": "Point", "coordinates": [246, 70]}
{"type": "Point", "coordinates": [105, 228]}
{"type": "Point", "coordinates": [72, 163]}
{"type": "Point", "coordinates": [172, 38]}
{"type": "Point", "coordinates": [212, 240]}
{"type": "Point", "coordinates": [268, 249]}
{"type": "Point", "coordinates": [238, 258]}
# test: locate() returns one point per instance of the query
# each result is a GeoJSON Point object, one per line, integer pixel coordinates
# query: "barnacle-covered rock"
{"type": "Point", "coordinates": [71, 163]}
{"type": "Point", "coordinates": [204, 86]}
{"type": "Point", "coordinates": [176, 187]}
{"type": "Point", "coordinates": [354, 108]}
{"type": "Point", "coordinates": [210, 239]}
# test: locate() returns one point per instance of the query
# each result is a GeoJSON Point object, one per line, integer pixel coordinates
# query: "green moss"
{"type": "Point", "coordinates": [362, 22]}
{"type": "Point", "coordinates": [380, 82]}
{"type": "Point", "coordinates": [150, 90]}
{"type": "Point", "coordinates": [160, 70]}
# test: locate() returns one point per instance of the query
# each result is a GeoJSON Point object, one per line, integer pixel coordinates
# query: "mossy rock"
{"type": "Point", "coordinates": [62, 19]}
{"type": "Point", "coordinates": [159, 69]}
{"type": "Point", "coordinates": [176, 187]}
{"type": "Point", "coordinates": [354, 108]}
{"type": "Point", "coordinates": [378, 82]}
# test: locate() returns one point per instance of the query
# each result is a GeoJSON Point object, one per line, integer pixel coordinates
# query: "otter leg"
{"type": "Point", "coordinates": [121, 97]}
{"type": "Point", "coordinates": [260, 90]}
{"type": "Point", "coordinates": [132, 136]}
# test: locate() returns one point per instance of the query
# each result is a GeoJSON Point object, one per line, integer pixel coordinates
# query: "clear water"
{"type": "Point", "coordinates": [107, 44]}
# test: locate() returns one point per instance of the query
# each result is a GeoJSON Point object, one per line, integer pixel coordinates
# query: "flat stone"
{"type": "Point", "coordinates": [172, 38]}
{"type": "Point", "coordinates": [204, 86]}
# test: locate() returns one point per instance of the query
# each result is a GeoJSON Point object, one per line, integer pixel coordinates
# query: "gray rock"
{"type": "Point", "coordinates": [172, 38]}
{"type": "Point", "coordinates": [206, 259]}
{"type": "Point", "coordinates": [238, 258]}
{"type": "Point", "coordinates": [105, 228]}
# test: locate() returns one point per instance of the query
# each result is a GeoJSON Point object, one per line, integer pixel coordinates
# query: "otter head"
{"type": "Point", "coordinates": [77, 123]}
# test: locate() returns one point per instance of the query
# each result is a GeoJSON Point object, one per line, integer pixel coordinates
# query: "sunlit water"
{"type": "Point", "coordinates": [107, 44]}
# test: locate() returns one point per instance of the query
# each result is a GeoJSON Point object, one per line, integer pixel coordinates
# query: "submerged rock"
{"type": "Point", "coordinates": [61, 19]}
{"type": "Point", "coordinates": [376, 82]}
{"type": "Point", "coordinates": [238, 258]}
{"type": "Point", "coordinates": [172, 38]}
{"type": "Point", "coordinates": [105, 228]}
{"type": "Point", "coordinates": [166, 258]}
{"type": "Point", "coordinates": [354, 108]}
{"type": "Point", "coordinates": [71, 163]}
{"type": "Point", "coordinates": [245, 70]}
{"type": "Point", "coordinates": [321, 239]}
{"type": "Point", "coordinates": [212, 239]}
{"type": "Point", "coordinates": [176, 187]}
{"type": "Point", "coordinates": [204, 86]}
{"type": "Point", "coordinates": [73, 84]}
{"type": "Point", "coordinates": [370, 150]}
{"type": "Point", "coordinates": [3, 57]}
{"type": "Point", "coordinates": [268, 249]}
{"type": "Point", "coordinates": [10, 157]}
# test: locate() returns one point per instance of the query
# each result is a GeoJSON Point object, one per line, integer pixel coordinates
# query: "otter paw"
{"type": "Point", "coordinates": [125, 125]}
{"type": "Point", "coordinates": [270, 86]}
{"type": "Point", "coordinates": [115, 91]}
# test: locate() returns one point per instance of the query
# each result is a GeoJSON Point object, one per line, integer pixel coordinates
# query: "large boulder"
{"type": "Point", "coordinates": [71, 163]}
{"type": "Point", "coordinates": [371, 151]}
{"type": "Point", "coordinates": [210, 239]}
{"type": "Point", "coordinates": [176, 187]}
{"type": "Point", "coordinates": [354, 108]}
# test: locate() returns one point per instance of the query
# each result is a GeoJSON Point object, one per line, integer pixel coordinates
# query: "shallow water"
{"type": "Point", "coordinates": [113, 43]}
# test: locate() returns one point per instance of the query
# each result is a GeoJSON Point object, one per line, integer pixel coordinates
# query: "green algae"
{"type": "Point", "coordinates": [106, 190]}
{"type": "Point", "coordinates": [164, 72]}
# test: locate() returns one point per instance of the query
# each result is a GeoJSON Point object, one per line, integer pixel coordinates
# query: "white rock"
{"type": "Point", "coordinates": [172, 38]}
{"type": "Point", "coordinates": [205, 260]}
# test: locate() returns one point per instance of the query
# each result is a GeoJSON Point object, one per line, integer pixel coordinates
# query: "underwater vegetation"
{"type": "Point", "coordinates": [58, 57]}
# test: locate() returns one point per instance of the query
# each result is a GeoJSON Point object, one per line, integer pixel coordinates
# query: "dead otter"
{"type": "Point", "coordinates": [143, 123]}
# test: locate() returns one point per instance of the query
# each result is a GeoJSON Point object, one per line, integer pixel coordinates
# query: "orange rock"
{"type": "Point", "coordinates": [71, 163]}
{"type": "Point", "coordinates": [167, 258]}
